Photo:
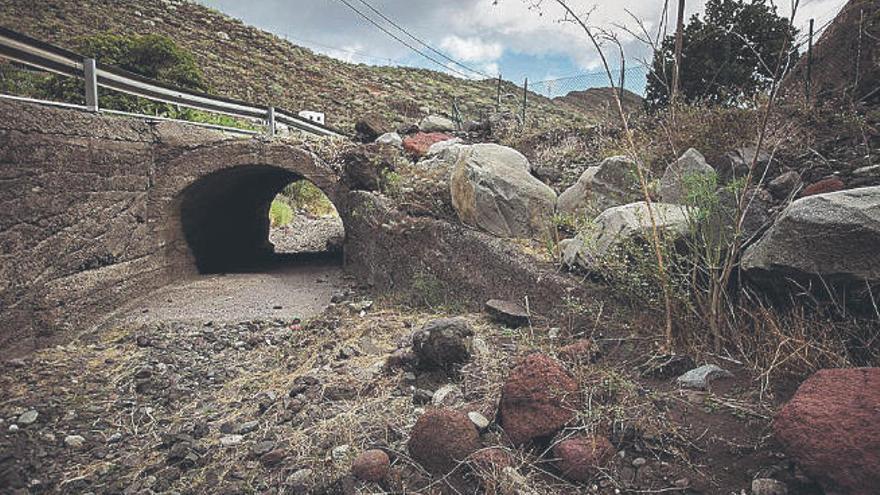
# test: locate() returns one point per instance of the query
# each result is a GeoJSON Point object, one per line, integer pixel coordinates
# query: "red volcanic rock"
{"type": "Point", "coordinates": [418, 143]}
{"type": "Point", "coordinates": [578, 351]}
{"type": "Point", "coordinates": [581, 457]}
{"type": "Point", "coordinates": [823, 186]}
{"type": "Point", "coordinates": [371, 465]}
{"type": "Point", "coordinates": [538, 399]}
{"type": "Point", "coordinates": [441, 438]}
{"type": "Point", "coordinates": [831, 427]}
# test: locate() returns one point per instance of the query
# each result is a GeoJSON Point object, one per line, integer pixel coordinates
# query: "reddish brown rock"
{"type": "Point", "coordinates": [418, 143]}
{"type": "Point", "coordinates": [831, 428]}
{"type": "Point", "coordinates": [579, 351]}
{"type": "Point", "coordinates": [442, 438]}
{"type": "Point", "coordinates": [580, 458]}
{"type": "Point", "coordinates": [371, 465]}
{"type": "Point", "coordinates": [823, 186]}
{"type": "Point", "coordinates": [538, 399]}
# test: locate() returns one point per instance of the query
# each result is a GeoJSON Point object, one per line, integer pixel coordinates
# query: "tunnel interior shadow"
{"type": "Point", "coordinates": [224, 217]}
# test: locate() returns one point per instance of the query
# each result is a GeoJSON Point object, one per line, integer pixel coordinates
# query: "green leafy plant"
{"type": "Point", "coordinates": [280, 213]}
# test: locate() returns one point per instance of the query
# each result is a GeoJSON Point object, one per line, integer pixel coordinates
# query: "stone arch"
{"type": "Point", "coordinates": [221, 197]}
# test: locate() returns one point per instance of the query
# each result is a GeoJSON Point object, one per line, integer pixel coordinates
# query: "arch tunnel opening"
{"type": "Point", "coordinates": [226, 221]}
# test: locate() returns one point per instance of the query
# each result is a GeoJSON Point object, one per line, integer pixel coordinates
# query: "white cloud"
{"type": "Point", "coordinates": [471, 49]}
{"type": "Point", "coordinates": [480, 32]}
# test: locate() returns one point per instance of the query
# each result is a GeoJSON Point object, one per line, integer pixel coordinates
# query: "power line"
{"type": "Point", "coordinates": [403, 42]}
{"type": "Point", "coordinates": [422, 42]}
{"type": "Point", "coordinates": [343, 50]}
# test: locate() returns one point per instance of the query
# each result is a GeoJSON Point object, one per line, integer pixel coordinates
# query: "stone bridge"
{"type": "Point", "coordinates": [97, 210]}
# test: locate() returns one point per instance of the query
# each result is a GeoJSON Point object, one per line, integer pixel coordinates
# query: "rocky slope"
{"type": "Point", "coordinates": [246, 63]}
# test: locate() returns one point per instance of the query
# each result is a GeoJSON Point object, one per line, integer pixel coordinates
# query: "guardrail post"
{"type": "Point", "coordinates": [90, 74]}
{"type": "Point", "coordinates": [270, 122]}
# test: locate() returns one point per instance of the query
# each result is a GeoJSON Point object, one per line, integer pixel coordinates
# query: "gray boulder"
{"type": "Point", "coordinates": [701, 377]}
{"type": "Point", "coordinates": [391, 138]}
{"type": "Point", "coordinates": [621, 224]}
{"type": "Point", "coordinates": [492, 189]}
{"type": "Point", "coordinates": [442, 146]}
{"type": "Point", "coordinates": [735, 164]}
{"type": "Point", "coordinates": [834, 236]}
{"type": "Point", "coordinates": [613, 182]}
{"type": "Point", "coordinates": [436, 123]}
{"type": "Point", "coordinates": [673, 184]}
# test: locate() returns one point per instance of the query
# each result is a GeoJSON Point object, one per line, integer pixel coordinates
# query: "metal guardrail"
{"type": "Point", "coordinates": [28, 51]}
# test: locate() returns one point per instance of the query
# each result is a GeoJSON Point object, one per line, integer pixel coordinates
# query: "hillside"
{"type": "Point", "coordinates": [600, 102]}
{"type": "Point", "coordinates": [243, 62]}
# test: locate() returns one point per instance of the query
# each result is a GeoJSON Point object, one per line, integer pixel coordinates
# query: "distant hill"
{"type": "Point", "coordinates": [600, 102]}
{"type": "Point", "coordinates": [243, 62]}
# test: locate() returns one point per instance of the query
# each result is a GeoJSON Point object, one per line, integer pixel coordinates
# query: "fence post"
{"type": "Point", "coordinates": [810, 62]}
{"type": "Point", "coordinates": [90, 74]}
{"type": "Point", "coordinates": [498, 96]}
{"type": "Point", "coordinates": [525, 100]}
{"type": "Point", "coordinates": [270, 122]}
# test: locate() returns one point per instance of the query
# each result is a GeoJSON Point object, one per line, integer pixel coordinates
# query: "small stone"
{"type": "Point", "coordinates": [682, 483]}
{"type": "Point", "coordinates": [371, 465]}
{"type": "Point", "coordinates": [74, 441]}
{"type": "Point", "coordinates": [581, 458]}
{"type": "Point", "coordinates": [248, 427]}
{"type": "Point", "coordinates": [340, 453]}
{"type": "Point", "coordinates": [480, 421]}
{"type": "Point", "coordinates": [230, 440]}
{"type": "Point", "coordinates": [639, 462]}
{"type": "Point", "coordinates": [13, 428]}
{"type": "Point", "coordinates": [273, 457]}
{"type": "Point", "coordinates": [28, 417]}
{"type": "Point", "coordinates": [263, 447]}
{"type": "Point", "coordinates": [768, 486]}
{"type": "Point", "coordinates": [115, 438]}
{"type": "Point", "coordinates": [507, 312]}
{"type": "Point", "coordinates": [422, 396]}
{"type": "Point", "coordinates": [447, 395]}
{"type": "Point", "coordinates": [701, 377]}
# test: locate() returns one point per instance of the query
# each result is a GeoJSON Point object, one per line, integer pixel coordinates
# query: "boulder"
{"type": "Point", "coordinates": [441, 146]}
{"type": "Point", "coordinates": [436, 123]}
{"type": "Point", "coordinates": [441, 438]}
{"type": "Point", "coordinates": [826, 185]}
{"type": "Point", "coordinates": [833, 236]}
{"type": "Point", "coordinates": [443, 343]}
{"type": "Point", "coordinates": [390, 139]}
{"type": "Point", "coordinates": [492, 189]}
{"type": "Point", "coordinates": [370, 126]}
{"type": "Point", "coordinates": [613, 182]}
{"type": "Point", "coordinates": [831, 428]}
{"type": "Point", "coordinates": [785, 184]}
{"type": "Point", "coordinates": [621, 224]}
{"type": "Point", "coordinates": [507, 313]}
{"type": "Point", "coordinates": [371, 465]}
{"type": "Point", "coordinates": [580, 458]}
{"type": "Point", "coordinates": [538, 399]}
{"type": "Point", "coordinates": [359, 170]}
{"type": "Point", "coordinates": [676, 180]}
{"type": "Point", "coordinates": [735, 164]}
{"type": "Point", "coordinates": [417, 144]}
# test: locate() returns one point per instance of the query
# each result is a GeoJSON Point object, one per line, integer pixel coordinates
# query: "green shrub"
{"type": "Point", "coordinates": [280, 213]}
{"type": "Point", "coordinates": [303, 195]}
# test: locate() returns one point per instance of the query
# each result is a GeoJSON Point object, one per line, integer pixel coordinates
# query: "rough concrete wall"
{"type": "Point", "coordinates": [89, 211]}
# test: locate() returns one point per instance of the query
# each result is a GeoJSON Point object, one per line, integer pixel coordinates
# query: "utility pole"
{"type": "Point", "coordinates": [679, 44]}
{"type": "Point", "coordinates": [810, 61]}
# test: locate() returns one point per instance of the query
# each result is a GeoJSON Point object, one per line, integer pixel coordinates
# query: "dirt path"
{"type": "Point", "coordinates": [288, 290]}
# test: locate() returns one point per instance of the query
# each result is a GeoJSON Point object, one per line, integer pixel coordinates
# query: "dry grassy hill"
{"type": "Point", "coordinates": [243, 62]}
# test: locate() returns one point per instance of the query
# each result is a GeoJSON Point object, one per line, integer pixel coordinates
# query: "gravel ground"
{"type": "Point", "coordinates": [308, 234]}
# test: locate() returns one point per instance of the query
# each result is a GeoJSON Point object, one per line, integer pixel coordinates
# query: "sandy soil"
{"type": "Point", "coordinates": [291, 289]}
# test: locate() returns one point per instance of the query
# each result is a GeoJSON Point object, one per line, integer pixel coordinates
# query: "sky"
{"type": "Point", "coordinates": [488, 36]}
